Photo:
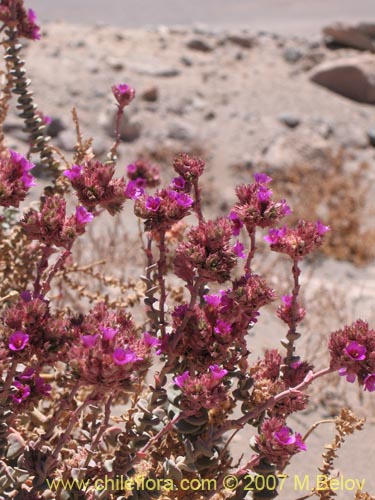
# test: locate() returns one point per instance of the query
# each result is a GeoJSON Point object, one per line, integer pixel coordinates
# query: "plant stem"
{"type": "Point", "coordinates": [292, 334]}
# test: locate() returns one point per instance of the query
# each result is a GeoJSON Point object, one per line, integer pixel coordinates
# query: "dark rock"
{"type": "Point", "coordinates": [200, 45]}
{"type": "Point", "coordinates": [151, 94]}
{"type": "Point", "coordinates": [55, 127]}
{"type": "Point", "coordinates": [186, 61]}
{"type": "Point", "coordinates": [290, 120]}
{"type": "Point", "coordinates": [181, 131]}
{"type": "Point", "coordinates": [244, 41]}
{"type": "Point", "coordinates": [352, 77]}
{"type": "Point", "coordinates": [360, 36]}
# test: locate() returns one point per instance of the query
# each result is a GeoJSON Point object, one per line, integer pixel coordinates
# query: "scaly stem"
{"type": "Point", "coordinates": [292, 335]}
{"type": "Point", "coordinates": [43, 264]}
{"type": "Point", "coordinates": [8, 381]}
{"type": "Point", "coordinates": [197, 204]}
{"type": "Point", "coordinates": [161, 280]}
{"type": "Point", "coordinates": [113, 152]}
{"type": "Point", "coordinates": [251, 251]}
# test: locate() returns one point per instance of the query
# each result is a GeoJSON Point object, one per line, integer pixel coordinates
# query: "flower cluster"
{"type": "Point", "coordinates": [255, 206]}
{"type": "Point", "coordinates": [162, 210]}
{"type": "Point", "coordinates": [297, 242]}
{"type": "Point", "coordinates": [277, 443]}
{"type": "Point", "coordinates": [29, 387]}
{"type": "Point", "coordinates": [289, 314]}
{"type": "Point", "coordinates": [108, 353]}
{"type": "Point", "coordinates": [95, 186]}
{"type": "Point", "coordinates": [14, 15]}
{"type": "Point", "coordinates": [189, 168]}
{"type": "Point", "coordinates": [124, 94]}
{"type": "Point", "coordinates": [32, 329]}
{"type": "Point", "coordinates": [52, 227]}
{"type": "Point", "coordinates": [144, 173]}
{"type": "Point", "coordinates": [202, 391]}
{"type": "Point", "coordinates": [216, 330]}
{"type": "Point", "coordinates": [269, 379]}
{"type": "Point", "coordinates": [15, 179]}
{"type": "Point", "coordinates": [207, 252]}
{"type": "Point", "coordinates": [352, 351]}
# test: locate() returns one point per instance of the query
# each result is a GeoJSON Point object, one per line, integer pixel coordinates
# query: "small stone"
{"type": "Point", "coordinates": [246, 42]}
{"type": "Point", "coordinates": [186, 61]}
{"type": "Point", "coordinates": [290, 120]}
{"type": "Point", "coordinates": [292, 55]}
{"type": "Point", "coordinates": [156, 70]}
{"type": "Point", "coordinates": [211, 115]}
{"type": "Point", "coordinates": [181, 131]}
{"type": "Point", "coordinates": [200, 45]}
{"type": "Point", "coordinates": [151, 94]}
{"type": "Point", "coordinates": [116, 64]}
{"type": "Point", "coordinates": [67, 141]}
{"type": "Point", "coordinates": [371, 136]}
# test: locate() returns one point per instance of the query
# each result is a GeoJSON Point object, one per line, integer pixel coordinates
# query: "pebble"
{"type": "Point", "coordinates": [155, 70]}
{"type": "Point", "coordinates": [200, 45]}
{"type": "Point", "coordinates": [151, 94]}
{"type": "Point", "coordinates": [292, 55]}
{"type": "Point", "coordinates": [181, 131]}
{"type": "Point", "coordinates": [290, 120]}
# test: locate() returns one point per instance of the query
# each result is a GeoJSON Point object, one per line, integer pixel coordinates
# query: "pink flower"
{"type": "Point", "coordinates": [217, 373]}
{"type": "Point", "coordinates": [262, 178]}
{"type": "Point", "coordinates": [23, 392]}
{"type": "Point", "coordinates": [27, 374]}
{"type": "Point", "coordinates": [122, 356]}
{"type": "Point", "coordinates": [153, 203]}
{"type": "Point", "coordinates": [369, 383]}
{"type": "Point", "coordinates": [34, 28]}
{"type": "Point", "coordinates": [42, 387]}
{"type": "Point", "coordinates": [89, 340]}
{"type": "Point", "coordinates": [178, 183]}
{"type": "Point", "coordinates": [355, 351]}
{"type": "Point", "coordinates": [350, 376]}
{"type": "Point", "coordinates": [180, 380]}
{"type": "Point", "coordinates": [108, 333]}
{"type": "Point", "coordinates": [284, 436]}
{"type": "Point", "coordinates": [18, 341]}
{"type": "Point", "coordinates": [133, 190]}
{"type": "Point", "coordinates": [321, 228]}
{"type": "Point", "coordinates": [150, 340]}
{"type": "Point", "coordinates": [123, 93]}
{"type": "Point", "coordinates": [236, 222]}
{"type": "Point", "coordinates": [223, 327]}
{"type": "Point", "coordinates": [238, 249]}
{"type": "Point", "coordinates": [275, 235]}
{"type": "Point", "coordinates": [212, 300]}
{"type": "Point", "coordinates": [83, 216]}
{"type": "Point", "coordinates": [73, 173]}
{"type": "Point", "coordinates": [184, 200]}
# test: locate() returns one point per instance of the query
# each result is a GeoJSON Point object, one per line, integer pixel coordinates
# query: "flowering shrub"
{"type": "Point", "coordinates": [63, 372]}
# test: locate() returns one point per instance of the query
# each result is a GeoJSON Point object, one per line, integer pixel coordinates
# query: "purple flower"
{"type": "Point", "coordinates": [26, 296]}
{"type": "Point", "coordinates": [284, 436]}
{"type": "Point", "coordinates": [131, 169]}
{"type": "Point", "coordinates": [262, 178]}
{"type": "Point", "coordinates": [369, 383]}
{"type": "Point", "coordinates": [287, 299]}
{"type": "Point", "coordinates": [350, 376]}
{"type": "Point", "coordinates": [153, 203]}
{"type": "Point", "coordinates": [274, 235]}
{"type": "Point", "coordinates": [212, 300]}
{"type": "Point", "coordinates": [133, 190]}
{"type": "Point", "coordinates": [181, 379]}
{"type": "Point", "coordinates": [299, 442]}
{"type": "Point", "coordinates": [83, 216]}
{"type": "Point", "coordinates": [223, 327]}
{"type": "Point", "coordinates": [73, 173]}
{"type": "Point", "coordinates": [285, 208]}
{"type": "Point", "coordinates": [23, 391]}
{"type": "Point", "coordinates": [184, 200]}
{"type": "Point", "coordinates": [108, 333]}
{"type": "Point", "coordinates": [321, 228]}
{"type": "Point", "coordinates": [150, 340]}
{"type": "Point", "coordinates": [123, 93]}
{"type": "Point", "coordinates": [35, 30]}
{"type": "Point", "coordinates": [217, 372]}
{"type": "Point", "coordinates": [236, 223]}
{"type": "Point", "coordinates": [238, 249]}
{"type": "Point", "coordinates": [28, 180]}
{"type": "Point", "coordinates": [27, 374]}
{"type": "Point", "coordinates": [264, 194]}
{"type": "Point", "coordinates": [89, 340]}
{"type": "Point", "coordinates": [18, 341]}
{"type": "Point", "coordinates": [178, 183]}
{"type": "Point", "coordinates": [355, 351]}
{"type": "Point", "coordinates": [122, 356]}
{"type": "Point", "coordinates": [42, 387]}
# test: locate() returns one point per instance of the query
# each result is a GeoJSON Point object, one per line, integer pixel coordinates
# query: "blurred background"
{"type": "Point", "coordinates": [299, 16]}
